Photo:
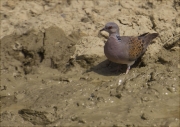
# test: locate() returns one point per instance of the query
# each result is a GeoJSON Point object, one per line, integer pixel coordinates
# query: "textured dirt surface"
{"type": "Point", "coordinates": [54, 72]}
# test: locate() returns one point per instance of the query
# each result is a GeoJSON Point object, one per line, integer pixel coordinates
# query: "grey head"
{"type": "Point", "coordinates": [111, 28]}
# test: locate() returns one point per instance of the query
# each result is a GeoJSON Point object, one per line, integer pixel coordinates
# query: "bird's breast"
{"type": "Point", "coordinates": [116, 52]}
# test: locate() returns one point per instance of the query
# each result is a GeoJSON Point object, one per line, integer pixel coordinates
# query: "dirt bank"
{"type": "Point", "coordinates": [54, 72]}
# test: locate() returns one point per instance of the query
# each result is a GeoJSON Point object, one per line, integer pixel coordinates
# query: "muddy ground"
{"type": "Point", "coordinates": [54, 72]}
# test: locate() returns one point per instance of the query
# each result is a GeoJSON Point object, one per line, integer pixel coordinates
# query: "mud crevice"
{"type": "Point", "coordinates": [27, 54]}
{"type": "Point", "coordinates": [162, 60]}
{"type": "Point", "coordinates": [41, 51]}
{"type": "Point", "coordinates": [176, 41]}
{"type": "Point", "coordinates": [176, 4]}
{"type": "Point", "coordinates": [153, 22]}
{"type": "Point", "coordinates": [41, 54]}
{"type": "Point", "coordinates": [44, 36]}
{"type": "Point", "coordinates": [28, 62]}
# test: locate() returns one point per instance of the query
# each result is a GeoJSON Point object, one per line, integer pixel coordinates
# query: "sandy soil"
{"type": "Point", "coordinates": [54, 72]}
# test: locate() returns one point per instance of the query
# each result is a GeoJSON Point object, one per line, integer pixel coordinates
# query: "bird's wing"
{"type": "Point", "coordinates": [136, 47]}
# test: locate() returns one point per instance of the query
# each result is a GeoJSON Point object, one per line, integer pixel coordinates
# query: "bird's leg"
{"type": "Point", "coordinates": [128, 68]}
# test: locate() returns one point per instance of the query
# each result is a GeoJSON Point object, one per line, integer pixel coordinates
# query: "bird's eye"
{"type": "Point", "coordinates": [109, 27]}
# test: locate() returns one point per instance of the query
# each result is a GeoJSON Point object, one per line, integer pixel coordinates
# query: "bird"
{"type": "Point", "coordinates": [125, 49]}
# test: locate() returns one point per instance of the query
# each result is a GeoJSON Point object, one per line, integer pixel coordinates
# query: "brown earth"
{"type": "Point", "coordinates": [54, 72]}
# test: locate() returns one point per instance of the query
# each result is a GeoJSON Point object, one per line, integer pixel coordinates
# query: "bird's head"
{"type": "Point", "coordinates": [111, 27]}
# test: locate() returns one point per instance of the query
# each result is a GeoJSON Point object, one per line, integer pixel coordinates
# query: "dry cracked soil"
{"type": "Point", "coordinates": [54, 72]}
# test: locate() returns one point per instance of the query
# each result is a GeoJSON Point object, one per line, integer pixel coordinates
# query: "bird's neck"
{"type": "Point", "coordinates": [115, 35]}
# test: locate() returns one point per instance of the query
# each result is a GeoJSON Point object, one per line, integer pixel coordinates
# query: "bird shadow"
{"type": "Point", "coordinates": [108, 68]}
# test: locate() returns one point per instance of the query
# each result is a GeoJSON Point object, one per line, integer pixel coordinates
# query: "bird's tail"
{"type": "Point", "coordinates": [148, 37]}
{"type": "Point", "coordinates": [152, 36]}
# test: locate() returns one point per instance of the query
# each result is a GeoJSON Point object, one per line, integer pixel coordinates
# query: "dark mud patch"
{"type": "Point", "coordinates": [35, 117]}
{"type": "Point", "coordinates": [50, 48]}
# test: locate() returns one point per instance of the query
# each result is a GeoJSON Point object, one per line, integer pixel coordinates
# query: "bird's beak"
{"type": "Point", "coordinates": [102, 29]}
